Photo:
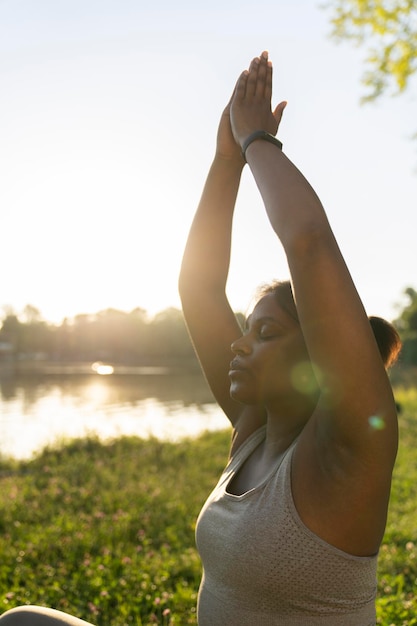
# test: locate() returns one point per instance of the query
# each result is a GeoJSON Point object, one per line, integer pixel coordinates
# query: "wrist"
{"type": "Point", "coordinates": [259, 135]}
{"type": "Point", "coordinates": [233, 163]}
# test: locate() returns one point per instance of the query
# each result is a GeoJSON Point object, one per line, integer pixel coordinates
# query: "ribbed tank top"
{"type": "Point", "coordinates": [263, 566]}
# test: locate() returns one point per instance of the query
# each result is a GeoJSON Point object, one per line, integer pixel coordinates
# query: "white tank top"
{"type": "Point", "coordinates": [263, 566]}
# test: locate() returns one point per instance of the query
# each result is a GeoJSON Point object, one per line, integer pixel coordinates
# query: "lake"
{"type": "Point", "coordinates": [53, 403]}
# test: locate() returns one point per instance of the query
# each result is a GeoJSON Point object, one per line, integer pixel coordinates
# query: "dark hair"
{"type": "Point", "coordinates": [387, 338]}
{"type": "Point", "coordinates": [282, 291]}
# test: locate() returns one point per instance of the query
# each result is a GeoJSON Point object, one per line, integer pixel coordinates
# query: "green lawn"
{"type": "Point", "coordinates": [397, 601]}
{"type": "Point", "coordinates": [106, 531]}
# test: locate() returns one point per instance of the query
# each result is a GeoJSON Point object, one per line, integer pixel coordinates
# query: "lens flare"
{"type": "Point", "coordinates": [303, 378]}
{"type": "Point", "coordinates": [376, 422]}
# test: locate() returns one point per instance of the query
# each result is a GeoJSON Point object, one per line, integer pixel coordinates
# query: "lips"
{"type": "Point", "coordinates": [236, 368]}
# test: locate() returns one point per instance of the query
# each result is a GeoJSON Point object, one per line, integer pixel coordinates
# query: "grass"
{"type": "Point", "coordinates": [106, 530]}
{"type": "Point", "coordinates": [397, 599]}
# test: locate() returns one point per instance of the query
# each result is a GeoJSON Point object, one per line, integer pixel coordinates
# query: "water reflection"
{"type": "Point", "coordinates": [39, 408]}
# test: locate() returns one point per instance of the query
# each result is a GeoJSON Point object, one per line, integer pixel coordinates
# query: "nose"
{"type": "Point", "coordinates": [241, 346]}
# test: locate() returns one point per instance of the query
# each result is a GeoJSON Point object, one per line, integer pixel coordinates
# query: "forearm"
{"type": "Point", "coordinates": [206, 257]}
{"type": "Point", "coordinates": [293, 207]}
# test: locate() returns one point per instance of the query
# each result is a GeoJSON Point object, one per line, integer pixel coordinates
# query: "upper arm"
{"type": "Point", "coordinates": [213, 327]}
{"type": "Point", "coordinates": [343, 465]}
{"type": "Point", "coordinates": [354, 385]}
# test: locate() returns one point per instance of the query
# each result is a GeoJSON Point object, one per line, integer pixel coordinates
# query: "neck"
{"type": "Point", "coordinates": [286, 421]}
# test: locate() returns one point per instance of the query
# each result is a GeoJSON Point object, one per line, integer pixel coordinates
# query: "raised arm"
{"type": "Point", "coordinates": [210, 320]}
{"type": "Point", "coordinates": [340, 449]}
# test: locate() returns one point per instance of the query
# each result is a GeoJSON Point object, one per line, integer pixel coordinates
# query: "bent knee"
{"type": "Point", "coordinates": [38, 616]}
{"type": "Point", "coordinates": [20, 616]}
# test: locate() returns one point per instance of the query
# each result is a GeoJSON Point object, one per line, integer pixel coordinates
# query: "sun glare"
{"type": "Point", "coordinates": [102, 369]}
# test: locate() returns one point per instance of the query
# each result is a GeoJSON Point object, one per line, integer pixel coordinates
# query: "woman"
{"type": "Point", "coordinates": [291, 533]}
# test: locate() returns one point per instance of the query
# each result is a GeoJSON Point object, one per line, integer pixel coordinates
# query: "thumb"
{"type": "Point", "coordinates": [279, 110]}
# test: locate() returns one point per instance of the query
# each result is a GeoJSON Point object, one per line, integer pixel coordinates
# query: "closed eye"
{"type": "Point", "coordinates": [265, 328]}
{"type": "Point", "coordinates": [269, 332]}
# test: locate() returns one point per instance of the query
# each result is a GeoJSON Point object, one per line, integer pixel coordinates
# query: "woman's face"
{"type": "Point", "coordinates": [271, 362]}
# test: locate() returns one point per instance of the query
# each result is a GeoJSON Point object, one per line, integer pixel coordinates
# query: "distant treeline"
{"type": "Point", "coordinates": [110, 335]}
{"type": "Point", "coordinates": [134, 338]}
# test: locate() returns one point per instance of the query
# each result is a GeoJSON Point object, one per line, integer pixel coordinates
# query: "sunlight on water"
{"type": "Point", "coordinates": [102, 369]}
{"type": "Point", "coordinates": [35, 415]}
{"type": "Point", "coordinates": [52, 405]}
{"type": "Point", "coordinates": [55, 420]}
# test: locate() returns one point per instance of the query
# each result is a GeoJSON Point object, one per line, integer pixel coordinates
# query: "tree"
{"type": "Point", "coordinates": [11, 330]}
{"type": "Point", "coordinates": [169, 339]}
{"type": "Point", "coordinates": [31, 315]}
{"type": "Point", "coordinates": [407, 327]}
{"type": "Point", "coordinates": [390, 29]}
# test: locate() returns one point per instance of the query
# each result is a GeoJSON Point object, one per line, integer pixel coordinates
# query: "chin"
{"type": "Point", "coordinates": [243, 396]}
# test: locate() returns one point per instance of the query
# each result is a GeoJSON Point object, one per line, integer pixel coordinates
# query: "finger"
{"type": "Point", "coordinates": [229, 104]}
{"type": "Point", "coordinates": [240, 88]}
{"type": "Point", "coordinates": [262, 75]}
{"type": "Point", "coordinates": [268, 81]}
{"type": "Point", "coordinates": [253, 76]}
{"type": "Point", "coordinates": [279, 110]}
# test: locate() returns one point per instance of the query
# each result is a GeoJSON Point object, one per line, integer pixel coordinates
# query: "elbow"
{"type": "Point", "coordinates": [183, 283]}
{"type": "Point", "coordinates": [189, 282]}
{"type": "Point", "coordinates": [306, 243]}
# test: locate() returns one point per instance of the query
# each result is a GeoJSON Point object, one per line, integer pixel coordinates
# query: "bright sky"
{"type": "Point", "coordinates": [108, 117]}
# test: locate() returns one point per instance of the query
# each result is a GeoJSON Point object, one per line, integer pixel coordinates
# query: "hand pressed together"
{"type": "Point", "coordinates": [227, 148]}
{"type": "Point", "coordinates": [250, 108]}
